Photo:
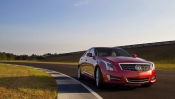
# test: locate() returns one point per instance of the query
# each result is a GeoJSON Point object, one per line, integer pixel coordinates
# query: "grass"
{"type": "Point", "coordinates": [20, 82]}
{"type": "Point", "coordinates": [165, 66]}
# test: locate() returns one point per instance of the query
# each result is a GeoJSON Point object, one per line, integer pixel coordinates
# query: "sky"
{"type": "Point", "coordinates": [61, 26]}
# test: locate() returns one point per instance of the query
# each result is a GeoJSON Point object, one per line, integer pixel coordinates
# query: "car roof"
{"type": "Point", "coordinates": [107, 47]}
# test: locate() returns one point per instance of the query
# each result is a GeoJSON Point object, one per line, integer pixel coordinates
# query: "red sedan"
{"type": "Point", "coordinates": [115, 66]}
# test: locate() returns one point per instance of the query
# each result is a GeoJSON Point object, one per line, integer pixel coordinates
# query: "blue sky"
{"type": "Point", "coordinates": [59, 26]}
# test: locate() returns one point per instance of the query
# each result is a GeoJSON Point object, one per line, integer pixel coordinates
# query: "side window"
{"type": "Point", "coordinates": [86, 53]}
{"type": "Point", "coordinates": [92, 51]}
{"type": "Point", "coordinates": [89, 51]}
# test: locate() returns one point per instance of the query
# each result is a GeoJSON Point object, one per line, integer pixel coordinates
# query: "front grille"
{"type": "Point", "coordinates": [138, 80]}
{"type": "Point", "coordinates": [135, 67]}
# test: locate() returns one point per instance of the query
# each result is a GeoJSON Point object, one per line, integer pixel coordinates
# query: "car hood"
{"type": "Point", "coordinates": [122, 59]}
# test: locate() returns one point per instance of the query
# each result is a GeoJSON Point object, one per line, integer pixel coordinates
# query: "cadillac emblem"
{"type": "Point", "coordinates": [138, 68]}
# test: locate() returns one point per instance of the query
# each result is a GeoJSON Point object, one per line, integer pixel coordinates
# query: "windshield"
{"type": "Point", "coordinates": [111, 52]}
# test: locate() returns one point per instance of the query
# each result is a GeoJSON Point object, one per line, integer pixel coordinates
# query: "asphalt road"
{"type": "Point", "coordinates": [164, 88]}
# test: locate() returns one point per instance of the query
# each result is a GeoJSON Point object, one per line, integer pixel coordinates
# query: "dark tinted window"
{"type": "Point", "coordinates": [111, 52]}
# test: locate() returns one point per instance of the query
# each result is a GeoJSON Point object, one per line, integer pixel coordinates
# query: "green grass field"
{"type": "Point", "coordinates": [20, 82]}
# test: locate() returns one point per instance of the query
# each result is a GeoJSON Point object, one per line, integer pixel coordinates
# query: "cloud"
{"type": "Point", "coordinates": [82, 2]}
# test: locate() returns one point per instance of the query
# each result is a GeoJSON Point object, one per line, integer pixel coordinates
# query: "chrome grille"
{"type": "Point", "coordinates": [138, 79]}
{"type": "Point", "coordinates": [135, 67]}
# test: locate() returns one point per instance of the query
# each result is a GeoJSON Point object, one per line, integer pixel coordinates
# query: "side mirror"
{"type": "Point", "coordinates": [134, 55]}
{"type": "Point", "coordinates": [89, 54]}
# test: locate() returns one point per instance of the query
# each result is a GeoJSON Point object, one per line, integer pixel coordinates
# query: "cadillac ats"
{"type": "Point", "coordinates": [115, 66]}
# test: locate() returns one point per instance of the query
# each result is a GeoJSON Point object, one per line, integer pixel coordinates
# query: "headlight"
{"type": "Point", "coordinates": [109, 66]}
{"type": "Point", "coordinates": [152, 66]}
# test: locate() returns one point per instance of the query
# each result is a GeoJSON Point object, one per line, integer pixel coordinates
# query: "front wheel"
{"type": "Point", "coordinates": [98, 78]}
{"type": "Point", "coordinates": [80, 76]}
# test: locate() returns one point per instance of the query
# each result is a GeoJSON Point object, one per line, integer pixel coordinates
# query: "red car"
{"type": "Point", "coordinates": [115, 66]}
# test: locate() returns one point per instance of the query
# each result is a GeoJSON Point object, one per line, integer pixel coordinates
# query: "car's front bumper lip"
{"type": "Point", "coordinates": [130, 77]}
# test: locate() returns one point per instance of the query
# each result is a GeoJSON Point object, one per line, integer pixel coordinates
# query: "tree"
{"type": "Point", "coordinates": [3, 56]}
{"type": "Point", "coordinates": [10, 56]}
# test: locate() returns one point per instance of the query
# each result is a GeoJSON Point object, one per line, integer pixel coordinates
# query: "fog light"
{"type": "Point", "coordinates": [154, 78]}
{"type": "Point", "coordinates": [113, 78]}
{"type": "Point", "coordinates": [108, 76]}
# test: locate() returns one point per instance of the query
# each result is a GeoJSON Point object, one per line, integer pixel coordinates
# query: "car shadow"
{"type": "Point", "coordinates": [110, 88]}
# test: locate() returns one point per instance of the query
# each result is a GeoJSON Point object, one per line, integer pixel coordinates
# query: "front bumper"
{"type": "Point", "coordinates": [129, 77]}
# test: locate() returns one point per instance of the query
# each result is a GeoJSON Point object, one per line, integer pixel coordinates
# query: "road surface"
{"type": "Point", "coordinates": [164, 88]}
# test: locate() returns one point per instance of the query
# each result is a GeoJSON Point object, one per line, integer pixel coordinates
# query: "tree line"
{"type": "Point", "coordinates": [11, 56]}
{"type": "Point", "coordinates": [6, 56]}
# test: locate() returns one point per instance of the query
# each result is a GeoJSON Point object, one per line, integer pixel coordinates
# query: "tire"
{"type": "Point", "coordinates": [80, 76]}
{"type": "Point", "coordinates": [146, 85]}
{"type": "Point", "coordinates": [98, 78]}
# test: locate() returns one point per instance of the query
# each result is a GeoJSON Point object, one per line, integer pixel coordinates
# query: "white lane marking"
{"type": "Point", "coordinates": [89, 89]}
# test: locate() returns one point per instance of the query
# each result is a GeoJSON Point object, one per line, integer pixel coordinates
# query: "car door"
{"type": "Point", "coordinates": [91, 62]}
{"type": "Point", "coordinates": [83, 62]}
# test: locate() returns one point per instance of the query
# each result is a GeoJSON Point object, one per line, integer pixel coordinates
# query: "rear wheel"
{"type": "Point", "coordinates": [98, 78]}
{"type": "Point", "coordinates": [80, 76]}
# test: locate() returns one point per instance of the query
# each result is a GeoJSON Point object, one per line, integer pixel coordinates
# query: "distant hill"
{"type": "Point", "coordinates": [63, 58]}
{"type": "Point", "coordinates": [158, 53]}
